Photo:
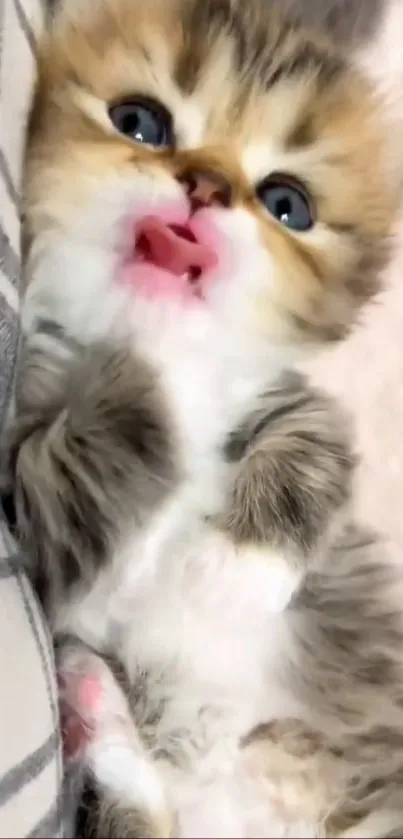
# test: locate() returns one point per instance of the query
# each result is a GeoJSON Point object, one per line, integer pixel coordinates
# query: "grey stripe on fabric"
{"type": "Point", "coordinates": [47, 674]}
{"type": "Point", "coordinates": [48, 825]}
{"type": "Point", "coordinates": [19, 776]}
{"type": "Point", "coordinates": [9, 261]}
{"type": "Point", "coordinates": [8, 181]}
{"type": "Point", "coordinates": [9, 331]}
{"type": "Point", "coordinates": [10, 566]}
{"type": "Point", "coordinates": [5, 532]}
{"type": "Point", "coordinates": [32, 620]}
{"type": "Point", "coordinates": [26, 26]}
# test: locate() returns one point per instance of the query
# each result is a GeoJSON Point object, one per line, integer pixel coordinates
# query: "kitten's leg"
{"type": "Point", "coordinates": [293, 471]}
{"type": "Point", "coordinates": [305, 778]}
{"type": "Point", "coordinates": [101, 738]}
{"type": "Point", "coordinates": [91, 446]}
{"type": "Point", "coordinates": [309, 782]}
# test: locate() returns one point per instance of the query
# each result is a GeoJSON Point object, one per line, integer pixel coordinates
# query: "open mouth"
{"type": "Point", "coordinates": [168, 259]}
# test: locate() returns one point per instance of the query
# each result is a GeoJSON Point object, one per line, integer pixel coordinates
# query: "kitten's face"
{"type": "Point", "coordinates": [206, 152]}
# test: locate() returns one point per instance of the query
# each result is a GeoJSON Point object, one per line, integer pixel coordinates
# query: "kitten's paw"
{"type": "Point", "coordinates": [99, 730]}
{"type": "Point", "coordinates": [302, 774]}
{"type": "Point", "coordinates": [89, 695]}
{"type": "Point", "coordinates": [294, 469]}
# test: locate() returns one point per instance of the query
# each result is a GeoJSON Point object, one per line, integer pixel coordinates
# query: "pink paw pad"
{"type": "Point", "coordinates": [79, 703]}
{"type": "Point", "coordinates": [89, 694]}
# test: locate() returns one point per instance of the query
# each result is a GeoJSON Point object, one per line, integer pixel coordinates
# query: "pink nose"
{"type": "Point", "coordinates": [172, 247]}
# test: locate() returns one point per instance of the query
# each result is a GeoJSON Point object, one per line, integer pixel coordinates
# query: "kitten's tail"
{"type": "Point", "coordinates": [91, 444]}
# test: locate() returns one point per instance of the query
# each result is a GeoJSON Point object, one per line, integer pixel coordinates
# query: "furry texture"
{"type": "Point", "coordinates": [88, 461]}
{"type": "Point", "coordinates": [293, 451]}
{"type": "Point", "coordinates": [351, 22]}
{"type": "Point", "coordinates": [189, 499]}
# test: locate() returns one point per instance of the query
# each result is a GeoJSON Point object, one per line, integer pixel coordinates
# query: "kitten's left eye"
{"type": "Point", "coordinates": [288, 201]}
{"type": "Point", "coordinates": [143, 121]}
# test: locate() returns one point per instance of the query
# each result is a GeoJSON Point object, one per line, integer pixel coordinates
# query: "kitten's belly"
{"type": "Point", "coordinates": [204, 620]}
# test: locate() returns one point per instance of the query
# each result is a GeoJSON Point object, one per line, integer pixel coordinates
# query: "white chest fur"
{"type": "Point", "coordinates": [179, 597]}
{"type": "Point", "coordinates": [184, 601]}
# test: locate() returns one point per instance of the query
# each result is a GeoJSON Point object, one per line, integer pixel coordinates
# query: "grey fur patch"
{"type": "Point", "coordinates": [347, 631]}
{"type": "Point", "coordinates": [260, 39]}
{"type": "Point", "coordinates": [342, 657]}
{"type": "Point", "coordinates": [348, 21]}
{"type": "Point", "coordinates": [295, 467]}
{"type": "Point", "coordinates": [111, 818]}
{"type": "Point", "coordinates": [91, 447]}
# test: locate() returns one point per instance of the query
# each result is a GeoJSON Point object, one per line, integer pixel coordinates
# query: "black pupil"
{"type": "Point", "coordinates": [284, 208]}
{"type": "Point", "coordinates": [142, 123]}
{"type": "Point", "coordinates": [130, 123]}
{"type": "Point", "coordinates": [287, 204]}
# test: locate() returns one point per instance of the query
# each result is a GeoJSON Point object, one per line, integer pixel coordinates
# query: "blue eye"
{"type": "Point", "coordinates": [143, 121]}
{"type": "Point", "coordinates": [287, 201]}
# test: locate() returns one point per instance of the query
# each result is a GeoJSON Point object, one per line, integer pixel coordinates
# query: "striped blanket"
{"type": "Point", "coordinates": [30, 766]}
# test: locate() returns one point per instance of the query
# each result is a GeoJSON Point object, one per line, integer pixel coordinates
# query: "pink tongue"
{"type": "Point", "coordinates": [172, 247]}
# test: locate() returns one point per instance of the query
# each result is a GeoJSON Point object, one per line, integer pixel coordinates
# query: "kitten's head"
{"type": "Point", "coordinates": [210, 153]}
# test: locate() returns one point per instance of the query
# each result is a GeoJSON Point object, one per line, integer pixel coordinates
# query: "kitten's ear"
{"type": "Point", "coordinates": [381, 58]}
{"type": "Point", "coordinates": [346, 21]}
{"type": "Point", "coordinates": [370, 31]}
{"type": "Point", "coordinates": [69, 8]}
{"type": "Point", "coordinates": [61, 12]}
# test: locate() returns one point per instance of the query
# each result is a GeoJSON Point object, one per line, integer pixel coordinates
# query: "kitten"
{"type": "Point", "coordinates": [209, 199]}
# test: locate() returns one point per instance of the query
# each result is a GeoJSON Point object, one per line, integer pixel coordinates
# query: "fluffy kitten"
{"type": "Point", "coordinates": [208, 199]}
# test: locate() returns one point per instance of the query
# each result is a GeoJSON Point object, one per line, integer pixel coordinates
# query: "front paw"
{"type": "Point", "coordinates": [100, 732]}
{"type": "Point", "coordinates": [294, 468]}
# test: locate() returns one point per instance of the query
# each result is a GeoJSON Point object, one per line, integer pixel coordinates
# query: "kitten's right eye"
{"type": "Point", "coordinates": [287, 200]}
{"type": "Point", "coordinates": [143, 121]}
